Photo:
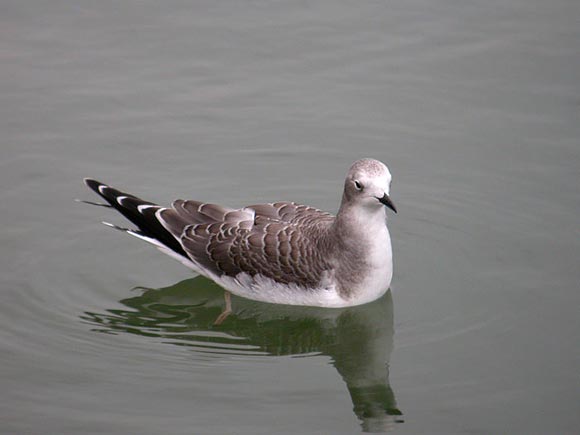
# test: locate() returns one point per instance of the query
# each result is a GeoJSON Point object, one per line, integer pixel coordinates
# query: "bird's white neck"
{"type": "Point", "coordinates": [363, 252]}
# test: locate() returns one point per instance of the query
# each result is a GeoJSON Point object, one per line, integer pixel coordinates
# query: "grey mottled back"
{"type": "Point", "coordinates": [282, 241]}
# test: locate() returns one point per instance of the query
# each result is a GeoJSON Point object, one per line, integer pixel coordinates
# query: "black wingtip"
{"type": "Point", "coordinates": [93, 184]}
{"type": "Point", "coordinates": [129, 206]}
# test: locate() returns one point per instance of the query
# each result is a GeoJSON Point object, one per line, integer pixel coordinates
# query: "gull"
{"type": "Point", "coordinates": [281, 252]}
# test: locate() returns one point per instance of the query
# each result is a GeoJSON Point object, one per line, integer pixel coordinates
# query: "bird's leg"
{"type": "Point", "coordinates": [227, 310]}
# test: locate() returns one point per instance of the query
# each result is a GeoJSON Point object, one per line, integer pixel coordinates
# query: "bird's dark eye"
{"type": "Point", "coordinates": [358, 185]}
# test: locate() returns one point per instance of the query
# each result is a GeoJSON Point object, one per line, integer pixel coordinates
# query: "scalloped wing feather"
{"type": "Point", "coordinates": [281, 241]}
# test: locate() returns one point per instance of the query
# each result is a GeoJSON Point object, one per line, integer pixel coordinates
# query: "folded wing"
{"type": "Point", "coordinates": [277, 240]}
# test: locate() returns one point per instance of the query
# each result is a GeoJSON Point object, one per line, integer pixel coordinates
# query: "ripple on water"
{"type": "Point", "coordinates": [357, 341]}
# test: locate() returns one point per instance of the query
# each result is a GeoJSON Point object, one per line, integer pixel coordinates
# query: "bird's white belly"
{"type": "Point", "coordinates": [264, 289]}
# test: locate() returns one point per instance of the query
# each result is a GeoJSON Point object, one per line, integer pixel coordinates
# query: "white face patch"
{"type": "Point", "coordinates": [375, 181]}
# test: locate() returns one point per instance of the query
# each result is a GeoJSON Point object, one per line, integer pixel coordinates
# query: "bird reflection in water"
{"type": "Point", "coordinates": [359, 340]}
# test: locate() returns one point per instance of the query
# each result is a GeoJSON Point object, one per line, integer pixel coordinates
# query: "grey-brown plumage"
{"type": "Point", "coordinates": [278, 252]}
{"type": "Point", "coordinates": [282, 241]}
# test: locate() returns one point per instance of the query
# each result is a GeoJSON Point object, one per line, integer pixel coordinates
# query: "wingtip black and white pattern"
{"type": "Point", "coordinates": [140, 212]}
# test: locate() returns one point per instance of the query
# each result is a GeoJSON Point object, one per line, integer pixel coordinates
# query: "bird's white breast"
{"type": "Point", "coordinates": [379, 261]}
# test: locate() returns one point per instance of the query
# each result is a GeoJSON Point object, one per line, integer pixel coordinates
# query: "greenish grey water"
{"type": "Point", "coordinates": [474, 106]}
{"type": "Point", "coordinates": [358, 341]}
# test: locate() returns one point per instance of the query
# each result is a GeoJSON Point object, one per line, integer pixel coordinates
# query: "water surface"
{"type": "Point", "coordinates": [473, 105]}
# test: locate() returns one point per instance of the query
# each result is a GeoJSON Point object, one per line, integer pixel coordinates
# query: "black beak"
{"type": "Point", "coordinates": [387, 201]}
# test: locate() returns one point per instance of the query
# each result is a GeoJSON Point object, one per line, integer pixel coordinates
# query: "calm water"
{"type": "Point", "coordinates": [475, 106]}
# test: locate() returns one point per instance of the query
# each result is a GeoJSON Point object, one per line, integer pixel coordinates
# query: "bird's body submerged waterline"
{"type": "Point", "coordinates": [281, 252]}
